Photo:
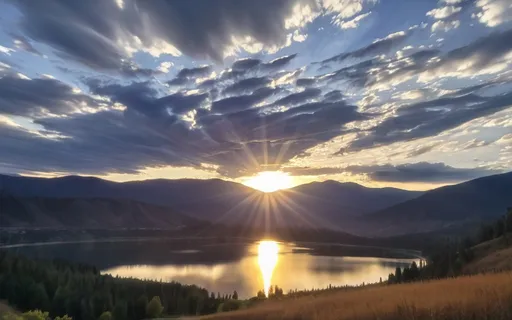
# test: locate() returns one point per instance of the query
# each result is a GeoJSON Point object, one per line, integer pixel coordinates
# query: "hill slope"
{"type": "Point", "coordinates": [490, 256]}
{"type": "Point", "coordinates": [87, 213]}
{"type": "Point", "coordinates": [325, 204]}
{"type": "Point", "coordinates": [477, 200]}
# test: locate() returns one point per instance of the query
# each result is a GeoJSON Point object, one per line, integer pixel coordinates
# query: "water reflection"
{"type": "Point", "coordinates": [268, 252]}
{"type": "Point", "coordinates": [223, 267]}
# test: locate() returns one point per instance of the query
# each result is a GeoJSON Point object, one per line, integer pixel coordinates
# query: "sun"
{"type": "Point", "coordinates": [270, 181]}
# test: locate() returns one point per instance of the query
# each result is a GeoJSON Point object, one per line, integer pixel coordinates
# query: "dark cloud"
{"type": "Point", "coordinates": [258, 140]}
{"type": "Point", "coordinates": [242, 102]}
{"type": "Point", "coordinates": [420, 172]}
{"type": "Point", "coordinates": [334, 95]}
{"type": "Point", "coordinates": [141, 97]}
{"type": "Point", "coordinates": [76, 30]}
{"type": "Point", "coordinates": [246, 85]}
{"type": "Point", "coordinates": [36, 97]}
{"type": "Point", "coordinates": [376, 48]}
{"type": "Point", "coordinates": [131, 70]}
{"type": "Point", "coordinates": [203, 29]}
{"type": "Point", "coordinates": [178, 82]}
{"type": "Point", "coordinates": [200, 29]}
{"type": "Point", "coordinates": [299, 97]}
{"type": "Point", "coordinates": [305, 82]}
{"type": "Point", "coordinates": [233, 135]}
{"type": "Point", "coordinates": [188, 74]}
{"type": "Point", "coordinates": [245, 64]}
{"type": "Point", "coordinates": [194, 72]}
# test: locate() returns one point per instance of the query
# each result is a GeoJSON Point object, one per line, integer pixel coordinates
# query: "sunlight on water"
{"type": "Point", "coordinates": [268, 252]}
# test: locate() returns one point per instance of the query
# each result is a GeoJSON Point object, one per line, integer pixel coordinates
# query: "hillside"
{"type": "Point", "coordinates": [463, 298]}
{"type": "Point", "coordinates": [322, 204]}
{"type": "Point", "coordinates": [349, 199]}
{"type": "Point", "coordinates": [492, 255]}
{"type": "Point", "coordinates": [87, 213]}
{"type": "Point", "coordinates": [469, 203]}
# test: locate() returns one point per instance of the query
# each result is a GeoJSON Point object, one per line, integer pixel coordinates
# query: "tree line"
{"type": "Point", "coordinates": [450, 261]}
{"type": "Point", "coordinates": [82, 293]}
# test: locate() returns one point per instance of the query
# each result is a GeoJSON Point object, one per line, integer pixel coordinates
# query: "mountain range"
{"type": "Point", "coordinates": [92, 202]}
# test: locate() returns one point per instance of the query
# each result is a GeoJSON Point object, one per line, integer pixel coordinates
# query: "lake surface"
{"type": "Point", "coordinates": [245, 266]}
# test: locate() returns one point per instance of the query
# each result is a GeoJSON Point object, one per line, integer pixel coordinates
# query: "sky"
{"type": "Point", "coordinates": [411, 94]}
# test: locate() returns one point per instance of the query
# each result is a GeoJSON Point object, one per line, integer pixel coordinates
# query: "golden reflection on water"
{"type": "Point", "coordinates": [268, 263]}
{"type": "Point", "coordinates": [268, 253]}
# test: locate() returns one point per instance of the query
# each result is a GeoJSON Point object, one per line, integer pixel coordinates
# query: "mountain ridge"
{"type": "Point", "coordinates": [215, 200]}
{"type": "Point", "coordinates": [473, 201]}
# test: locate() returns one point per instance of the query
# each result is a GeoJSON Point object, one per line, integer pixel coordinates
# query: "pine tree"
{"type": "Point", "coordinates": [398, 275]}
{"type": "Point", "coordinates": [154, 308]}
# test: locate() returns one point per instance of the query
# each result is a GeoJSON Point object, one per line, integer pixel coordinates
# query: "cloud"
{"type": "Point", "coordinates": [379, 46]}
{"type": "Point", "coordinates": [420, 172]}
{"type": "Point", "coordinates": [305, 82]}
{"type": "Point", "coordinates": [140, 136]}
{"type": "Point", "coordinates": [6, 50]}
{"type": "Point", "coordinates": [165, 66]}
{"type": "Point", "coordinates": [104, 36]}
{"type": "Point", "coordinates": [190, 73]}
{"type": "Point", "coordinates": [242, 102]}
{"type": "Point", "coordinates": [278, 63]}
{"type": "Point", "coordinates": [246, 85]}
{"type": "Point", "coordinates": [143, 98]}
{"type": "Point", "coordinates": [354, 23]}
{"type": "Point", "coordinates": [444, 12]}
{"type": "Point", "coordinates": [245, 64]}
{"type": "Point", "coordinates": [487, 55]}
{"type": "Point", "coordinates": [186, 75]}
{"type": "Point", "coordinates": [429, 118]}
{"type": "Point", "coordinates": [299, 97]}
{"type": "Point", "coordinates": [310, 171]}
{"type": "Point", "coordinates": [445, 25]}
{"type": "Point", "coordinates": [493, 12]}
{"type": "Point", "coordinates": [38, 97]}
{"type": "Point", "coordinates": [20, 42]}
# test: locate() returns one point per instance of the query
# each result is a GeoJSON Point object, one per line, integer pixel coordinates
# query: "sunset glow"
{"type": "Point", "coordinates": [270, 181]}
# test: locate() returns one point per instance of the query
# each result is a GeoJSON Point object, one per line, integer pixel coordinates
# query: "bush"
{"type": "Point", "coordinates": [105, 316]}
{"type": "Point", "coordinates": [230, 305]}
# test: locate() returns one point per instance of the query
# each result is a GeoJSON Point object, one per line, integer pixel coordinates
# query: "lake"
{"type": "Point", "coordinates": [242, 265]}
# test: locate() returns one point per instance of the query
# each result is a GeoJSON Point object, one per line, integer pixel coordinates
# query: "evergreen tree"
{"type": "Point", "coordinates": [120, 311]}
{"type": "Point", "coordinates": [140, 307]}
{"type": "Point", "coordinates": [235, 295]}
{"type": "Point", "coordinates": [154, 308]}
{"type": "Point", "coordinates": [398, 275]}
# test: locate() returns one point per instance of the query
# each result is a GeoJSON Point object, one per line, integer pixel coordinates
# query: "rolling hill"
{"type": "Point", "coordinates": [471, 202]}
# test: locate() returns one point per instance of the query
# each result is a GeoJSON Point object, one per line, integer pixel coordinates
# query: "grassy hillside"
{"type": "Point", "coordinates": [471, 297]}
{"type": "Point", "coordinates": [490, 256]}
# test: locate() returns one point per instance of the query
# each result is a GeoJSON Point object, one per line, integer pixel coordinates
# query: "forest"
{"type": "Point", "coordinates": [81, 292]}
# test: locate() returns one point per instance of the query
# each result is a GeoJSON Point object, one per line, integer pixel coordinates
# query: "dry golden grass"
{"type": "Point", "coordinates": [486, 297]}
